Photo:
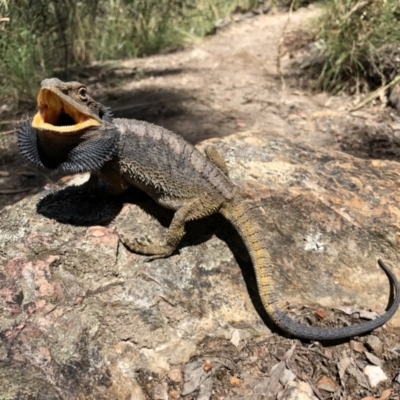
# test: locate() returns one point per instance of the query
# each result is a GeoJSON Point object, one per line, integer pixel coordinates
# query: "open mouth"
{"type": "Point", "coordinates": [57, 115]}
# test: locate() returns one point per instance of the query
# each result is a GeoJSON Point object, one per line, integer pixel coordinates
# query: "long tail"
{"type": "Point", "coordinates": [245, 221]}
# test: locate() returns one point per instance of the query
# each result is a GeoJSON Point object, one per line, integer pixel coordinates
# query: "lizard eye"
{"type": "Point", "coordinates": [82, 93]}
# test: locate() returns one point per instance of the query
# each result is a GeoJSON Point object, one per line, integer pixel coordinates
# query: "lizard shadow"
{"type": "Point", "coordinates": [200, 231]}
{"type": "Point", "coordinates": [76, 206]}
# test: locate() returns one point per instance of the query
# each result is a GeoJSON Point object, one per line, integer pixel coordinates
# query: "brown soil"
{"type": "Point", "coordinates": [225, 84]}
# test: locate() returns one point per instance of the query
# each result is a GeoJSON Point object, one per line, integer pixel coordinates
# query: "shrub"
{"type": "Point", "coordinates": [360, 43]}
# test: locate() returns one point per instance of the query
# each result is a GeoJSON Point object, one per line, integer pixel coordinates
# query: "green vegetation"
{"type": "Point", "coordinates": [360, 41]}
{"type": "Point", "coordinates": [41, 38]}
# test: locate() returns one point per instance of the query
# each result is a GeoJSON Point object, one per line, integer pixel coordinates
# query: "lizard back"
{"type": "Point", "coordinates": [155, 158]}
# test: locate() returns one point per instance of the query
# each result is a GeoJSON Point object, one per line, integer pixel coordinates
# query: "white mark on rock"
{"type": "Point", "coordinates": [313, 242]}
{"type": "Point", "coordinates": [235, 338]}
{"type": "Point", "coordinates": [374, 374]}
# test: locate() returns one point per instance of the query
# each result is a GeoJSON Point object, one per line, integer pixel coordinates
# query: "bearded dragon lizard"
{"type": "Point", "coordinates": [73, 133]}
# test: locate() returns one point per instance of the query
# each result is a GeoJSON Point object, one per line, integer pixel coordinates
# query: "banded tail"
{"type": "Point", "coordinates": [244, 220]}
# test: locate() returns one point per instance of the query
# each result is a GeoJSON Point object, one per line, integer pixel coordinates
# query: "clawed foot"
{"type": "Point", "coordinates": [145, 245]}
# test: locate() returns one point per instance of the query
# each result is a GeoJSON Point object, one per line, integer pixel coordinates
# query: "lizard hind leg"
{"type": "Point", "coordinates": [191, 211]}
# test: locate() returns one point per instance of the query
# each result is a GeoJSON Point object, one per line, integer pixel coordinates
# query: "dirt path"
{"type": "Point", "coordinates": [227, 83]}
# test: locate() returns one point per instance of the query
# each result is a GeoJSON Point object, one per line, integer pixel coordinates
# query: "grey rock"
{"type": "Point", "coordinates": [373, 359]}
{"type": "Point", "coordinates": [297, 391]}
{"type": "Point", "coordinates": [374, 374]}
{"type": "Point", "coordinates": [374, 344]}
{"type": "Point", "coordinates": [80, 314]}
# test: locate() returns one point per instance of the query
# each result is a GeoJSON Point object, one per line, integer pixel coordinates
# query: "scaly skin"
{"type": "Point", "coordinates": [177, 176]}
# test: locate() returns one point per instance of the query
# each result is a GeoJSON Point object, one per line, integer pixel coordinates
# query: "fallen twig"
{"type": "Point", "coordinates": [280, 45]}
{"type": "Point", "coordinates": [8, 132]}
{"type": "Point", "coordinates": [11, 121]}
{"type": "Point", "coordinates": [15, 191]}
{"type": "Point", "coordinates": [376, 94]}
{"type": "Point", "coordinates": [355, 8]}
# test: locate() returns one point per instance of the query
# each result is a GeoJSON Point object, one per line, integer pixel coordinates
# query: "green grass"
{"type": "Point", "coordinates": [41, 37]}
{"type": "Point", "coordinates": [359, 40]}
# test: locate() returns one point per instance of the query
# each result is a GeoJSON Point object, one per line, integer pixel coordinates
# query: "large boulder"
{"type": "Point", "coordinates": [80, 315]}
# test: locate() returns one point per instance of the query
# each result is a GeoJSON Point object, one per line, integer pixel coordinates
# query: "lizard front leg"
{"type": "Point", "coordinates": [216, 157]}
{"type": "Point", "coordinates": [115, 183]}
{"type": "Point", "coordinates": [196, 209]}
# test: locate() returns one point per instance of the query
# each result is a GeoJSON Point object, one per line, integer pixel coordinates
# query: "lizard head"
{"type": "Point", "coordinates": [71, 132]}
{"type": "Point", "coordinates": [65, 108]}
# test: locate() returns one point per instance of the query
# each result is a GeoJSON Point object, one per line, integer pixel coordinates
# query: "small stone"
{"type": "Point", "coordinates": [375, 345]}
{"type": "Point", "coordinates": [287, 376]}
{"type": "Point", "coordinates": [262, 387]}
{"type": "Point", "coordinates": [160, 391]}
{"type": "Point", "coordinates": [343, 364]}
{"type": "Point", "coordinates": [347, 309]}
{"type": "Point", "coordinates": [97, 231]}
{"type": "Point", "coordinates": [235, 338]}
{"type": "Point", "coordinates": [208, 365]}
{"type": "Point", "coordinates": [175, 374]}
{"type": "Point", "coordinates": [174, 394]}
{"type": "Point", "coordinates": [75, 180]}
{"type": "Point", "coordinates": [297, 391]}
{"type": "Point", "coordinates": [305, 387]}
{"type": "Point", "coordinates": [374, 374]}
{"type": "Point", "coordinates": [397, 379]}
{"type": "Point", "coordinates": [373, 359]}
{"type": "Point", "coordinates": [368, 314]}
{"type": "Point", "coordinates": [235, 381]}
{"type": "Point", "coordinates": [326, 383]}
{"type": "Point", "coordinates": [357, 346]}
{"type": "Point", "coordinates": [361, 364]}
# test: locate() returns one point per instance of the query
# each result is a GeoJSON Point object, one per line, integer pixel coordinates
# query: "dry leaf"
{"type": "Point", "coordinates": [342, 366]}
{"type": "Point", "coordinates": [289, 353]}
{"type": "Point", "coordinates": [205, 391]}
{"type": "Point", "coordinates": [194, 377]}
{"type": "Point", "coordinates": [354, 371]}
{"type": "Point", "coordinates": [326, 383]}
{"type": "Point", "coordinates": [277, 372]}
{"type": "Point", "coordinates": [357, 346]}
{"type": "Point", "coordinates": [235, 381]}
{"type": "Point", "coordinates": [321, 313]}
{"type": "Point", "coordinates": [240, 123]}
{"type": "Point", "coordinates": [373, 359]}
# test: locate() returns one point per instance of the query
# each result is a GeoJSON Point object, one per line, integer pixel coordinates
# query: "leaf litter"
{"type": "Point", "coordinates": [275, 367]}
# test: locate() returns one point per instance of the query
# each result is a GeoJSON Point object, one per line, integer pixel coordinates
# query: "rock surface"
{"type": "Point", "coordinates": [80, 316]}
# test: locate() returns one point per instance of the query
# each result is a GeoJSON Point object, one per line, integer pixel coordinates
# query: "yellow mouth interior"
{"type": "Point", "coordinates": [59, 116]}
